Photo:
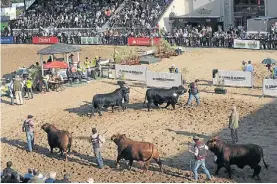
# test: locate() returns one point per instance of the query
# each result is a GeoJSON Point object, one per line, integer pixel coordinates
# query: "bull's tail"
{"type": "Point", "coordinates": [266, 166]}
{"type": "Point", "coordinates": [69, 141]}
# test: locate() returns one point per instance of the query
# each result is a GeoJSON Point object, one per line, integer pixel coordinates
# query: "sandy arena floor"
{"type": "Point", "coordinates": [169, 130]}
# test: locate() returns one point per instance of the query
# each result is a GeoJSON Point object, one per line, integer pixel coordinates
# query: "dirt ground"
{"type": "Point", "coordinates": [169, 130]}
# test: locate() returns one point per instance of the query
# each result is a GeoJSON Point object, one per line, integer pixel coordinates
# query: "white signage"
{"type": "Point", "coordinates": [233, 78]}
{"type": "Point", "coordinates": [270, 87]}
{"type": "Point", "coordinates": [163, 80]}
{"type": "Point", "coordinates": [247, 44]}
{"type": "Point", "coordinates": [131, 72]}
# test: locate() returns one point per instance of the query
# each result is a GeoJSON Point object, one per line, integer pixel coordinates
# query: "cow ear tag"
{"type": "Point", "coordinates": [174, 94]}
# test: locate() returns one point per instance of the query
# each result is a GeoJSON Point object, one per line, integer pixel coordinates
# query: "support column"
{"type": "Point", "coordinates": [78, 57]}
{"type": "Point", "coordinates": [41, 62]}
{"type": "Point", "coordinates": [228, 12]}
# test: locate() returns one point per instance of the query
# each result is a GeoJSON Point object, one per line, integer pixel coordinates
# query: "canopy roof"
{"type": "Point", "coordinates": [59, 48]}
{"type": "Point", "coordinates": [55, 64]}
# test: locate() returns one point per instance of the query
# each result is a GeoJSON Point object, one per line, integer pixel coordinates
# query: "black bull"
{"type": "Point", "coordinates": [237, 154]}
{"type": "Point", "coordinates": [158, 96]}
{"type": "Point", "coordinates": [120, 97]}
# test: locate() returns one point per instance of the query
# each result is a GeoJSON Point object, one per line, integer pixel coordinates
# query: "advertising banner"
{"type": "Point", "coordinates": [7, 40]}
{"type": "Point", "coordinates": [90, 40]}
{"type": "Point", "coordinates": [163, 80]}
{"type": "Point", "coordinates": [45, 40]}
{"type": "Point", "coordinates": [270, 87]}
{"type": "Point", "coordinates": [132, 72]}
{"type": "Point", "coordinates": [132, 41]}
{"type": "Point", "coordinates": [246, 44]}
{"type": "Point", "coordinates": [233, 78]}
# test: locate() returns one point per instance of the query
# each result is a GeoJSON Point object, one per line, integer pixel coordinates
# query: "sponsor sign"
{"type": "Point", "coordinates": [247, 44]}
{"type": "Point", "coordinates": [7, 40]}
{"type": "Point", "coordinates": [233, 78]}
{"type": "Point", "coordinates": [45, 40]}
{"type": "Point", "coordinates": [163, 80]}
{"type": "Point", "coordinates": [132, 72]}
{"type": "Point", "coordinates": [270, 87]}
{"type": "Point", "coordinates": [90, 40]}
{"type": "Point", "coordinates": [132, 41]}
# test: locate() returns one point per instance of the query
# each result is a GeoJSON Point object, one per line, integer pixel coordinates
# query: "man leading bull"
{"type": "Point", "coordinates": [200, 154]}
{"type": "Point", "coordinates": [193, 93]}
{"type": "Point", "coordinates": [97, 141]}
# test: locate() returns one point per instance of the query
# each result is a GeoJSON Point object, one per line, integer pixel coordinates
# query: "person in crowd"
{"type": "Point", "coordinates": [52, 177]}
{"type": "Point", "coordinates": [28, 176]}
{"type": "Point", "coordinates": [13, 178]}
{"type": "Point", "coordinates": [274, 72]}
{"type": "Point", "coordinates": [234, 124]}
{"type": "Point", "coordinates": [8, 170]}
{"type": "Point", "coordinates": [90, 180]}
{"type": "Point", "coordinates": [29, 84]}
{"type": "Point", "coordinates": [97, 142]}
{"type": "Point", "coordinates": [243, 67]}
{"type": "Point", "coordinates": [17, 87]}
{"type": "Point", "coordinates": [49, 59]}
{"type": "Point", "coordinates": [11, 91]}
{"type": "Point", "coordinates": [200, 153]}
{"type": "Point", "coordinates": [28, 127]}
{"type": "Point", "coordinates": [172, 69]}
{"type": "Point", "coordinates": [193, 93]}
{"type": "Point", "coordinates": [87, 63]}
{"type": "Point", "coordinates": [66, 179]}
{"type": "Point", "coordinates": [70, 59]}
{"type": "Point", "coordinates": [36, 178]}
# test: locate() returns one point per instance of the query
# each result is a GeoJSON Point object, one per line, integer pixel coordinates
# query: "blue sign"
{"type": "Point", "coordinates": [7, 40]}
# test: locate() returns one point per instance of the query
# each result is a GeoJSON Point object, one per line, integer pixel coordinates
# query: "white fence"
{"type": "Point", "coordinates": [131, 72]}
{"type": "Point", "coordinates": [247, 44]}
{"type": "Point", "coordinates": [163, 80]}
{"type": "Point", "coordinates": [270, 87]}
{"type": "Point", "coordinates": [233, 78]}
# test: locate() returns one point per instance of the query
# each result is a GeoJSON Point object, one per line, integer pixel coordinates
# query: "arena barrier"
{"type": "Point", "coordinates": [233, 78]}
{"type": "Point", "coordinates": [143, 41]}
{"type": "Point", "coordinates": [163, 79]}
{"type": "Point", "coordinates": [247, 44]}
{"type": "Point", "coordinates": [270, 87]}
{"type": "Point", "coordinates": [7, 40]}
{"type": "Point", "coordinates": [45, 40]}
{"type": "Point", "coordinates": [131, 72]}
{"type": "Point", "coordinates": [91, 40]}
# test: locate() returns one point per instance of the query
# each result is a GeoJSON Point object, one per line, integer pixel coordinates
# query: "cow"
{"type": "Point", "coordinates": [120, 97]}
{"type": "Point", "coordinates": [58, 139]}
{"type": "Point", "coordinates": [134, 150]}
{"type": "Point", "coordinates": [159, 96]}
{"type": "Point", "coordinates": [236, 154]}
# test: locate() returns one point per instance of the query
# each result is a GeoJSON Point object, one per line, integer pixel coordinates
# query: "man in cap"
{"type": "Point", "coordinates": [193, 93]}
{"type": "Point", "coordinates": [65, 179]}
{"type": "Point", "coordinates": [200, 153]}
{"type": "Point", "coordinates": [97, 141]}
{"type": "Point", "coordinates": [36, 178]}
{"type": "Point", "coordinates": [28, 127]}
{"type": "Point", "coordinates": [17, 87]}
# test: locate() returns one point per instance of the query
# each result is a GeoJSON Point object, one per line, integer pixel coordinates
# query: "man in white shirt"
{"type": "Point", "coordinates": [200, 154]}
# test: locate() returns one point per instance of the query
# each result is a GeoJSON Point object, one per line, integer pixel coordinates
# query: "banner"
{"type": "Point", "coordinates": [132, 41]}
{"type": "Point", "coordinates": [45, 40]}
{"type": "Point", "coordinates": [90, 40]}
{"type": "Point", "coordinates": [131, 72]}
{"type": "Point", "coordinates": [270, 87]}
{"type": "Point", "coordinates": [163, 80]}
{"type": "Point", "coordinates": [233, 78]}
{"type": "Point", "coordinates": [7, 40]}
{"type": "Point", "coordinates": [247, 44]}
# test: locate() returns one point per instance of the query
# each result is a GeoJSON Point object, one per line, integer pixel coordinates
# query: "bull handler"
{"type": "Point", "coordinates": [200, 153]}
{"type": "Point", "coordinates": [28, 127]}
{"type": "Point", "coordinates": [193, 93]}
{"type": "Point", "coordinates": [97, 142]}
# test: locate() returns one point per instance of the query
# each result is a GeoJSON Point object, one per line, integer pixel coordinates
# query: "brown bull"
{"type": "Point", "coordinates": [58, 139]}
{"type": "Point", "coordinates": [134, 150]}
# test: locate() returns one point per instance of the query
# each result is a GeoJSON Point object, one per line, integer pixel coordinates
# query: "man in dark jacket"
{"type": "Point", "coordinates": [200, 156]}
{"type": "Point", "coordinates": [193, 93]}
{"type": "Point", "coordinates": [8, 170]}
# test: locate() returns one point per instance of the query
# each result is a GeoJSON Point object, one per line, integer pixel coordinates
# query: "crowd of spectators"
{"type": "Point", "coordinates": [139, 13]}
{"type": "Point", "coordinates": [67, 14]}
{"type": "Point", "coordinates": [9, 175]}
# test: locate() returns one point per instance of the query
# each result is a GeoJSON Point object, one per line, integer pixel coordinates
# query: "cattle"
{"type": "Point", "coordinates": [120, 97]}
{"type": "Point", "coordinates": [134, 150]}
{"type": "Point", "coordinates": [58, 139]}
{"type": "Point", "coordinates": [159, 96]}
{"type": "Point", "coordinates": [236, 154]}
